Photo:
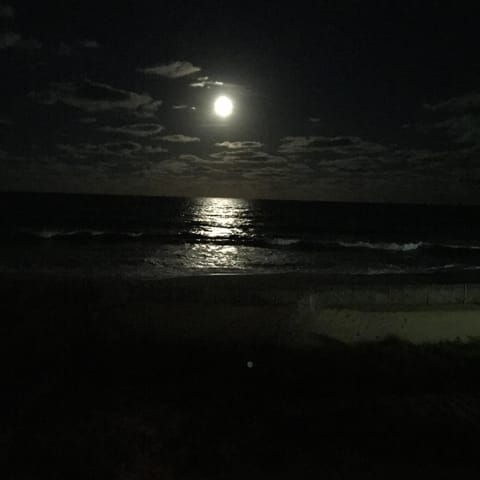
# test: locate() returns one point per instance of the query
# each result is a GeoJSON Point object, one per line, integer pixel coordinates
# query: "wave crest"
{"type": "Point", "coordinates": [393, 246]}
{"type": "Point", "coordinates": [49, 234]}
{"type": "Point", "coordinates": [283, 242]}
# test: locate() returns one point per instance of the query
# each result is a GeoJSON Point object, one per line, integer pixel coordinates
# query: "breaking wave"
{"type": "Point", "coordinates": [407, 246]}
{"type": "Point", "coordinates": [397, 247]}
{"type": "Point", "coordinates": [167, 236]}
{"type": "Point", "coordinates": [284, 242]}
{"type": "Point", "coordinates": [51, 234]}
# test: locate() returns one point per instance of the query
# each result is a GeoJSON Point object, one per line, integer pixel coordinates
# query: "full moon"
{"type": "Point", "coordinates": [223, 106]}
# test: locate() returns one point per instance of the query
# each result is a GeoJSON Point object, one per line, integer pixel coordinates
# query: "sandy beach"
{"type": "Point", "coordinates": [214, 377]}
{"type": "Point", "coordinates": [279, 310]}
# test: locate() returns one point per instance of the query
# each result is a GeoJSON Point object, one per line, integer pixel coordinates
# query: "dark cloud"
{"type": "Point", "coordinates": [5, 121]}
{"type": "Point", "coordinates": [88, 151]}
{"type": "Point", "coordinates": [234, 168]}
{"type": "Point", "coordinates": [251, 173]}
{"type": "Point", "coordinates": [344, 160]}
{"type": "Point", "coordinates": [94, 97]}
{"type": "Point", "coordinates": [178, 168]}
{"type": "Point", "coordinates": [29, 44]}
{"type": "Point", "coordinates": [207, 84]}
{"type": "Point", "coordinates": [462, 129]}
{"type": "Point", "coordinates": [453, 169]}
{"type": "Point", "coordinates": [184, 165]}
{"type": "Point", "coordinates": [246, 156]}
{"type": "Point", "coordinates": [88, 44]}
{"type": "Point", "coordinates": [15, 40]}
{"type": "Point", "coordinates": [64, 50]}
{"type": "Point", "coordinates": [458, 116]}
{"type": "Point", "coordinates": [88, 120]}
{"type": "Point", "coordinates": [9, 39]}
{"type": "Point", "coordinates": [341, 145]}
{"type": "Point", "coordinates": [136, 130]}
{"type": "Point", "coordinates": [460, 104]}
{"type": "Point", "coordinates": [239, 144]}
{"type": "Point", "coordinates": [191, 158]}
{"type": "Point", "coordinates": [67, 50]}
{"type": "Point", "coordinates": [7, 11]}
{"type": "Point", "coordinates": [171, 70]}
{"type": "Point", "coordinates": [179, 138]}
{"type": "Point", "coordinates": [148, 110]}
{"type": "Point", "coordinates": [150, 149]}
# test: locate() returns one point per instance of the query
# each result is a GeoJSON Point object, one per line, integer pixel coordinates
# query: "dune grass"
{"type": "Point", "coordinates": [80, 403]}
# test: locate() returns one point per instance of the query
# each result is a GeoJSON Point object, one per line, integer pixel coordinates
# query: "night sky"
{"type": "Point", "coordinates": [333, 100]}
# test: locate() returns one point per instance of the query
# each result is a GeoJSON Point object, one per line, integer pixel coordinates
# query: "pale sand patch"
{"type": "Point", "coordinates": [417, 324]}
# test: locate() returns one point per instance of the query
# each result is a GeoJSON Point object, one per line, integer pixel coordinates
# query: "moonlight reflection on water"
{"type": "Point", "coordinates": [222, 221]}
{"type": "Point", "coordinates": [221, 218]}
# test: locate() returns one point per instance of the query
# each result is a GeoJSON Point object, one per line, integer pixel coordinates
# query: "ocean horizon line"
{"type": "Point", "coordinates": [381, 203]}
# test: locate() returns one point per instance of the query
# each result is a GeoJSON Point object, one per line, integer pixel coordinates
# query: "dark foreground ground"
{"type": "Point", "coordinates": [132, 410]}
{"type": "Point", "coordinates": [80, 400]}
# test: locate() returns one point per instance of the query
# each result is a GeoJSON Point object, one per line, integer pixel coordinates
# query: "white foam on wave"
{"type": "Point", "coordinates": [53, 233]}
{"type": "Point", "coordinates": [284, 241]}
{"type": "Point", "coordinates": [397, 247]}
{"type": "Point", "coordinates": [381, 271]}
{"type": "Point", "coordinates": [48, 234]}
{"type": "Point", "coordinates": [153, 261]}
{"type": "Point", "coordinates": [455, 246]}
{"type": "Point", "coordinates": [448, 266]}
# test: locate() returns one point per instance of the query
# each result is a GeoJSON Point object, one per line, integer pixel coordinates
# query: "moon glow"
{"type": "Point", "coordinates": [223, 106]}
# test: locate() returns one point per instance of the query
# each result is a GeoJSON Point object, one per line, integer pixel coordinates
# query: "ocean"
{"type": "Point", "coordinates": [158, 237]}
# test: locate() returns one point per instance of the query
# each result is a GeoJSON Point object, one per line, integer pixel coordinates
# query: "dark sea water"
{"type": "Point", "coordinates": [166, 237]}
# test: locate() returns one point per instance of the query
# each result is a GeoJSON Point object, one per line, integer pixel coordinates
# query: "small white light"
{"type": "Point", "coordinates": [250, 364]}
{"type": "Point", "coordinates": [223, 106]}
